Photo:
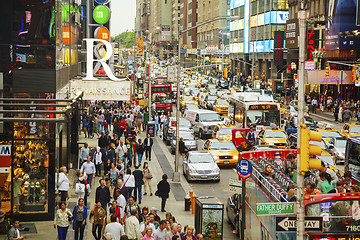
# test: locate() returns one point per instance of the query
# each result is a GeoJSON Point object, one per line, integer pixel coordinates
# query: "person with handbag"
{"type": "Point", "coordinates": [97, 216]}
{"type": "Point", "coordinates": [163, 189]}
{"type": "Point", "coordinates": [63, 218]}
{"type": "Point", "coordinates": [138, 174]}
{"type": "Point", "coordinates": [80, 216]}
{"type": "Point", "coordinates": [139, 149]}
{"type": "Point", "coordinates": [129, 181]}
{"type": "Point", "coordinates": [81, 187]}
{"type": "Point", "coordinates": [98, 161]}
{"type": "Point", "coordinates": [63, 184]}
{"type": "Point", "coordinates": [147, 178]}
{"type": "Point", "coordinates": [88, 167]}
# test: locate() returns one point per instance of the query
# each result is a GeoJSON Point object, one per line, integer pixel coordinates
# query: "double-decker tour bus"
{"type": "Point", "coordinates": [253, 109]}
{"type": "Point", "coordinates": [162, 96]}
{"type": "Point", "coordinates": [352, 157]}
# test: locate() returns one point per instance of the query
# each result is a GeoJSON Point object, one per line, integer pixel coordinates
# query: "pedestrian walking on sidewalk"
{"type": "Point", "coordinates": [102, 194]}
{"type": "Point", "coordinates": [314, 104]}
{"type": "Point", "coordinates": [163, 189]}
{"type": "Point", "coordinates": [84, 152]}
{"type": "Point", "coordinates": [115, 228]}
{"type": "Point", "coordinates": [82, 179]}
{"type": "Point", "coordinates": [114, 174]}
{"type": "Point", "coordinates": [129, 181]}
{"type": "Point", "coordinates": [147, 178]}
{"type": "Point", "coordinates": [80, 216]}
{"type": "Point", "coordinates": [97, 216]}
{"type": "Point", "coordinates": [124, 191]}
{"type": "Point", "coordinates": [132, 229]}
{"type": "Point", "coordinates": [88, 167]}
{"type": "Point", "coordinates": [63, 218]}
{"type": "Point", "coordinates": [336, 112]}
{"type": "Point", "coordinates": [148, 143]}
{"type": "Point", "coordinates": [63, 184]}
{"type": "Point", "coordinates": [98, 161]}
{"type": "Point", "coordinates": [138, 174]}
{"type": "Point", "coordinates": [139, 149]}
{"type": "Point", "coordinates": [346, 115]}
{"type": "Point", "coordinates": [341, 109]}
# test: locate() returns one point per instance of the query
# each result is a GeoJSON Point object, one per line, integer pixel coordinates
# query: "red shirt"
{"type": "Point", "coordinates": [122, 124]}
{"type": "Point", "coordinates": [106, 125]}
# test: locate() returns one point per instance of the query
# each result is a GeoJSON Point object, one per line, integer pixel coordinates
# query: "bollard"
{"type": "Point", "coordinates": [192, 199]}
{"type": "Point", "coordinates": [187, 202]}
{"type": "Point", "coordinates": [191, 193]}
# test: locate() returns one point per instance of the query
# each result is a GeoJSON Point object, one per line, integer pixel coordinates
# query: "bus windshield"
{"type": "Point", "coordinates": [352, 155]}
{"type": "Point", "coordinates": [210, 117]}
{"type": "Point", "coordinates": [329, 134]}
{"type": "Point", "coordinates": [263, 117]}
{"type": "Point", "coordinates": [355, 129]}
{"type": "Point", "coordinates": [338, 216]}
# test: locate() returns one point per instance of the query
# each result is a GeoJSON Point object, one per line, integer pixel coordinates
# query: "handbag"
{"type": "Point", "coordinates": [157, 193]}
{"type": "Point", "coordinates": [88, 188]}
{"type": "Point", "coordinates": [91, 220]}
{"type": "Point", "coordinates": [79, 188]}
{"type": "Point", "coordinates": [148, 175]}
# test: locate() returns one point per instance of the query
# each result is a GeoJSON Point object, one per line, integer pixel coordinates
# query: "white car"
{"type": "Point", "coordinates": [200, 165]}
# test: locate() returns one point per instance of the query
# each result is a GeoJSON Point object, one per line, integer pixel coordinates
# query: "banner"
{"type": "Point", "coordinates": [278, 48]}
{"type": "Point", "coordinates": [139, 47]}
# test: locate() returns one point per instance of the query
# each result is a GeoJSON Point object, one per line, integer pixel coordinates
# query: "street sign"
{"type": "Point", "coordinates": [244, 169]}
{"type": "Point", "coordinates": [288, 224]}
{"type": "Point", "coordinates": [341, 75]}
{"type": "Point", "coordinates": [278, 208]}
{"type": "Point", "coordinates": [237, 183]}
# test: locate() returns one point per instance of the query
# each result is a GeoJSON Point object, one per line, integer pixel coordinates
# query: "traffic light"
{"type": "Point", "coordinates": [327, 71]}
{"type": "Point", "coordinates": [307, 149]}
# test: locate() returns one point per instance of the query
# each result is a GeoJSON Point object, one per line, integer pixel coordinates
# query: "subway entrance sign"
{"type": "Point", "coordinates": [280, 208]}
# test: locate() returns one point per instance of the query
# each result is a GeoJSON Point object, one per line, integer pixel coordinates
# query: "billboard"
{"type": "Point", "coordinates": [139, 47]}
{"type": "Point", "coordinates": [278, 48]}
{"type": "Point", "coordinates": [340, 24]}
{"type": "Point", "coordinates": [292, 33]}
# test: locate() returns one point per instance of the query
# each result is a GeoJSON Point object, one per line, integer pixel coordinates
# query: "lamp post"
{"type": "Point", "coordinates": [176, 176]}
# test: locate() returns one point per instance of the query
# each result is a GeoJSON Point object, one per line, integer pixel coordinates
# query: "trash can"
{"type": "Point", "coordinates": [151, 128]}
{"type": "Point", "coordinates": [187, 202]}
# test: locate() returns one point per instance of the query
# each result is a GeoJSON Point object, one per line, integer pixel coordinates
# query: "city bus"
{"type": "Point", "coordinates": [352, 159]}
{"type": "Point", "coordinates": [248, 109]}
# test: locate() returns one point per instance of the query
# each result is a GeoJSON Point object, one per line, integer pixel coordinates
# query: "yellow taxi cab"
{"type": "Point", "coordinates": [328, 133]}
{"type": "Point", "coordinates": [221, 106]}
{"type": "Point", "coordinates": [283, 111]}
{"type": "Point", "coordinates": [224, 152]}
{"type": "Point", "coordinates": [275, 137]}
{"type": "Point", "coordinates": [224, 130]}
{"type": "Point", "coordinates": [190, 72]}
{"type": "Point", "coordinates": [329, 160]}
{"type": "Point", "coordinates": [187, 100]}
{"type": "Point", "coordinates": [350, 130]}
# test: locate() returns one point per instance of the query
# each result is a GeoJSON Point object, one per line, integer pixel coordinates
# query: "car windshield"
{"type": "Point", "coordinates": [188, 98]}
{"type": "Point", "coordinates": [309, 121]}
{"type": "Point", "coordinates": [187, 136]}
{"type": "Point", "coordinates": [329, 134]}
{"type": "Point", "coordinates": [263, 117]}
{"type": "Point", "coordinates": [210, 117]}
{"type": "Point", "coordinates": [338, 215]}
{"type": "Point", "coordinates": [275, 134]}
{"type": "Point", "coordinates": [222, 102]}
{"type": "Point", "coordinates": [340, 143]}
{"type": "Point", "coordinates": [192, 106]}
{"type": "Point", "coordinates": [212, 98]}
{"type": "Point", "coordinates": [326, 159]}
{"type": "Point", "coordinates": [184, 123]}
{"type": "Point", "coordinates": [211, 86]}
{"type": "Point", "coordinates": [227, 131]}
{"type": "Point", "coordinates": [192, 85]}
{"type": "Point", "coordinates": [201, 158]}
{"type": "Point", "coordinates": [222, 146]}
{"type": "Point", "coordinates": [355, 129]}
{"type": "Point", "coordinates": [212, 91]}
{"type": "Point", "coordinates": [321, 144]}
{"type": "Point", "coordinates": [195, 91]}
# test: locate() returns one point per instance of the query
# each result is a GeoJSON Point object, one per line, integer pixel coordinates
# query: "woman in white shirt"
{"type": "Point", "coordinates": [62, 220]}
{"type": "Point", "coordinates": [63, 184]}
{"type": "Point", "coordinates": [129, 181]}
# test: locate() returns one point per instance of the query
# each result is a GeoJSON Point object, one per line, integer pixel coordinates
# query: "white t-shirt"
{"type": "Point", "coordinates": [159, 235]}
{"type": "Point", "coordinates": [121, 201]}
{"type": "Point", "coordinates": [130, 182]}
{"type": "Point", "coordinates": [142, 227]}
{"type": "Point", "coordinates": [115, 228]}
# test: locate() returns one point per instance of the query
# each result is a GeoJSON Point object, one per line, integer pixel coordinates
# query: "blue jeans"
{"type": "Point", "coordinates": [130, 190]}
{"type": "Point", "coordinates": [62, 232]}
{"type": "Point", "coordinates": [156, 128]}
{"type": "Point", "coordinates": [140, 158]}
{"type": "Point", "coordinates": [129, 160]}
{"type": "Point", "coordinates": [100, 127]}
{"type": "Point", "coordinates": [125, 161]}
{"type": "Point", "coordinates": [89, 179]}
{"type": "Point", "coordinates": [137, 191]}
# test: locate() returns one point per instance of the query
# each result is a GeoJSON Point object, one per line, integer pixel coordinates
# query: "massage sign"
{"type": "Point", "coordinates": [279, 48]}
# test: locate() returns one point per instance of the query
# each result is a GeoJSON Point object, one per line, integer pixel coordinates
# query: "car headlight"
{"type": "Point", "coordinates": [236, 157]}
{"type": "Point", "coordinates": [206, 128]}
{"type": "Point", "coordinates": [216, 170]}
{"type": "Point", "coordinates": [192, 170]}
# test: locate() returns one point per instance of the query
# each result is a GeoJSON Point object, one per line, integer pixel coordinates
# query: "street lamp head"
{"type": "Point", "coordinates": [233, 18]}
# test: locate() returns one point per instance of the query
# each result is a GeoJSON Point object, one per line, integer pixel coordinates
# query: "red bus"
{"type": "Point", "coordinates": [340, 213]}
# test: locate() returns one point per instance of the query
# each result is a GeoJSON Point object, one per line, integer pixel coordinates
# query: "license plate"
{"type": "Point", "coordinates": [226, 162]}
{"type": "Point", "coordinates": [203, 176]}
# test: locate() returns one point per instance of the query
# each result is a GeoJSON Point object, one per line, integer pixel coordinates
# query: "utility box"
{"type": "Point", "coordinates": [209, 214]}
{"type": "Point", "coordinates": [151, 128]}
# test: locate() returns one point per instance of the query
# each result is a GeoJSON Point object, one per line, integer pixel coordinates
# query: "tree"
{"type": "Point", "coordinates": [125, 39]}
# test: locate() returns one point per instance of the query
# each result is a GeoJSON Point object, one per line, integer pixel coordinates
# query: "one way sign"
{"type": "Point", "coordinates": [288, 224]}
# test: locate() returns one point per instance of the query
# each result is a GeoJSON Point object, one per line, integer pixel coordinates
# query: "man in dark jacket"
{"type": "Point", "coordinates": [138, 175]}
{"type": "Point", "coordinates": [182, 148]}
{"type": "Point", "coordinates": [336, 112]}
{"type": "Point", "coordinates": [102, 194]}
{"type": "Point", "coordinates": [148, 142]}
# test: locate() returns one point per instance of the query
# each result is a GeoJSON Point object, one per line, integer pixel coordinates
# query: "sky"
{"type": "Point", "coordinates": [122, 16]}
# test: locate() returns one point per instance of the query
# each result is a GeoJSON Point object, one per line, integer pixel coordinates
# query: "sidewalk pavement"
{"type": "Point", "coordinates": [328, 116]}
{"type": "Point", "coordinates": [45, 230]}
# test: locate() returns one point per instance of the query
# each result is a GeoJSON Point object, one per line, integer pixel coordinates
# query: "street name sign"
{"type": "Point", "coordinates": [238, 183]}
{"type": "Point", "coordinates": [288, 224]}
{"type": "Point", "coordinates": [279, 208]}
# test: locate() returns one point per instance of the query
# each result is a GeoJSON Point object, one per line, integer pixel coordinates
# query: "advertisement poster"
{"type": "Point", "coordinates": [340, 23]}
{"type": "Point", "coordinates": [139, 47]}
{"type": "Point", "coordinates": [211, 224]}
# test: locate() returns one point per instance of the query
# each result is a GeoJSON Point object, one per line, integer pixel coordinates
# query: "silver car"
{"type": "Point", "coordinates": [337, 147]}
{"type": "Point", "coordinates": [200, 165]}
{"type": "Point", "coordinates": [188, 138]}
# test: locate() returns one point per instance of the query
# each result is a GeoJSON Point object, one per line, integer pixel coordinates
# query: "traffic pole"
{"type": "Point", "coordinates": [243, 193]}
{"type": "Point", "coordinates": [300, 230]}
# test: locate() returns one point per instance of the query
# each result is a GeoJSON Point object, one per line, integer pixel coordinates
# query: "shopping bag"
{"type": "Point", "coordinates": [79, 188]}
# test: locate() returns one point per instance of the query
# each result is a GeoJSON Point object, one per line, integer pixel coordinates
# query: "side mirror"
{"type": "Point", "coordinates": [331, 146]}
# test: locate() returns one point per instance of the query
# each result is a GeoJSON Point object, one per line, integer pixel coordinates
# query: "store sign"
{"type": "Point", "coordinates": [101, 1]}
{"type": "Point", "coordinates": [105, 89]}
{"type": "Point", "coordinates": [5, 158]}
{"type": "Point", "coordinates": [139, 47]}
{"type": "Point", "coordinates": [356, 75]}
{"type": "Point", "coordinates": [101, 14]}
{"type": "Point", "coordinates": [278, 48]}
{"type": "Point", "coordinates": [292, 33]}
{"type": "Point", "coordinates": [107, 48]}
{"type": "Point", "coordinates": [311, 45]}
{"type": "Point", "coordinates": [102, 33]}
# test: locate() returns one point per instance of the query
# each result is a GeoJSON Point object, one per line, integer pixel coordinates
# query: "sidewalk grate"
{"type": "Point", "coordinates": [30, 226]}
{"type": "Point", "coordinates": [178, 191]}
